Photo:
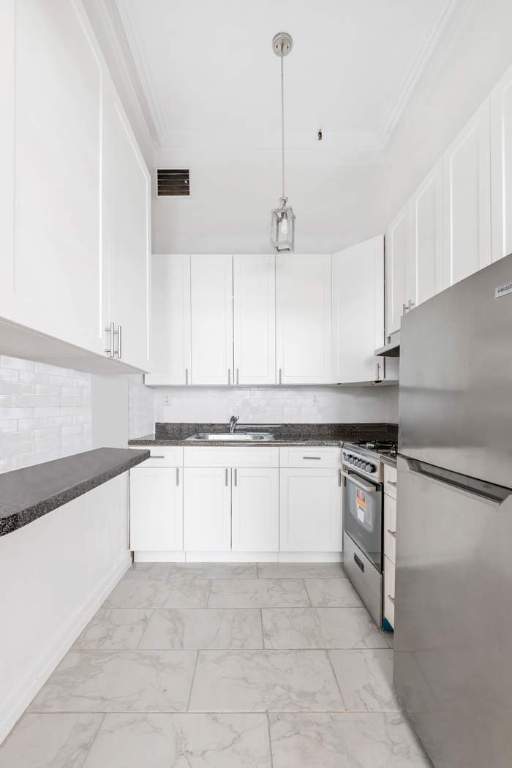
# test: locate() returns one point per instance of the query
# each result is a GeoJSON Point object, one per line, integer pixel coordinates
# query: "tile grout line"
{"type": "Point", "coordinates": [269, 731]}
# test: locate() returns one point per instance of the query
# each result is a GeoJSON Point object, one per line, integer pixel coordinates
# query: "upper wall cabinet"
{"type": "Point", "coordinates": [358, 310]}
{"type": "Point", "coordinates": [429, 251]}
{"type": "Point", "coordinates": [212, 319]}
{"type": "Point", "coordinates": [57, 161]}
{"type": "Point", "coordinates": [501, 137]}
{"type": "Point", "coordinates": [304, 319]}
{"type": "Point", "coordinates": [400, 268]}
{"type": "Point", "coordinates": [468, 190]}
{"type": "Point", "coordinates": [126, 239]}
{"type": "Point", "coordinates": [170, 321]}
{"type": "Point", "coordinates": [254, 312]}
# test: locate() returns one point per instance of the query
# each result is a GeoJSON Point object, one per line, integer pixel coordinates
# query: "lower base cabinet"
{"type": "Point", "coordinates": [156, 509]}
{"type": "Point", "coordinates": [310, 510]}
{"type": "Point", "coordinates": [207, 509]}
{"type": "Point", "coordinates": [255, 509]}
{"type": "Point", "coordinates": [239, 507]}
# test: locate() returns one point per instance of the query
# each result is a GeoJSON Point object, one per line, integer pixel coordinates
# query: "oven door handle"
{"type": "Point", "coordinates": [363, 486]}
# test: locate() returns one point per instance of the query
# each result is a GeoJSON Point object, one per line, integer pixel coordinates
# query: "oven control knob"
{"type": "Point", "coordinates": [369, 468]}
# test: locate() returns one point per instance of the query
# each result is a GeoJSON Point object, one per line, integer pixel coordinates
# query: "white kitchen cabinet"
{"type": "Point", "coordinates": [358, 310]}
{"type": "Point", "coordinates": [207, 509]}
{"type": "Point", "coordinates": [501, 156]}
{"type": "Point", "coordinates": [170, 345]}
{"type": "Point", "coordinates": [400, 268]}
{"type": "Point", "coordinates": [310, 510]}
{"type": "Point", "coordinates": [254, 319]}
{"type": "Point", "coordinates": [58, 174]}
{"type": "Point", "coordinates": [431, 274]}
{"type": "Point", "coordinates": [304, 319]}
{"type": "Point", "coordinates": [468, 195]}
{"type": "Point", "coordinates": [156, 509]}
{"type": "Point", "coordinates": [212, 319]}
{"type": "Point", "coordinates": [7, 97]}
{"type": "Point", "coordinates": [255, 509]}
{"type": "Point", "coordinates": [126, 238]}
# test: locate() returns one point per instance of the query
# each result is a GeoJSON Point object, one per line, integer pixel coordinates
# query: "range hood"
{"type": "Point", "coordinates": [392, 346]}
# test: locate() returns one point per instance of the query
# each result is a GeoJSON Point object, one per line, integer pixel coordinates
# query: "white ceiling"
{"type": "Point", "coordinates": [208, 74]}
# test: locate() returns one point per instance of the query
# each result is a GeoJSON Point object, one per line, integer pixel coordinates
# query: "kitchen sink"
{"type": "Point", "coordinates": [246, 437]}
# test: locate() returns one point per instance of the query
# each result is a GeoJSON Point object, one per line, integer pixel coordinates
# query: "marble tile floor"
{"type": "Point", "coordinates": [221, 666]}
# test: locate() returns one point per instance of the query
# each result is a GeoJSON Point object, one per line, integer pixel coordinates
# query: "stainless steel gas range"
{"type": "Point", "coordinates": [363, 520]}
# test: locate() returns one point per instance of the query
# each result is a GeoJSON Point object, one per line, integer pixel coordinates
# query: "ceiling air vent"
{"type": "Point", "coordinates": [172, 182]}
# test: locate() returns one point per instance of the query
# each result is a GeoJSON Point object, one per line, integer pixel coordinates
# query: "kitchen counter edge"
{"type": "Point", "coordinates": [31, 492]}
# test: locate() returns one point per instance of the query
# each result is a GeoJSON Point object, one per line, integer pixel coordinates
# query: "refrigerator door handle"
{"type": "Point", "coordinates": [489, 491]}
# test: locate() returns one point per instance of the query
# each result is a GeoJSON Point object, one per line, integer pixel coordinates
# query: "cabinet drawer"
{"type": "Point", "coordinates": [162, 456]}
{"type": "Point", "coordinates": [310, 457]}
{"type": "Point", "coordinates": [390, 528]}
{"type": "Point", "coordinates": [389, 591]}
{"type": "Point", "coordinates": [390, 480]}
{"type": "Point", "coordinates": [231, 457]}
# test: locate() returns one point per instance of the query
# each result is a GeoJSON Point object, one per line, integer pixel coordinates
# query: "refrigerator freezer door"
{"type": "Point", "coordinates": [453, 625]}
{"type": "Point", "coordinates": [456, 377]}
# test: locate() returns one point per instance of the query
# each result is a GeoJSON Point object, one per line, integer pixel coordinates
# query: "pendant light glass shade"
{"type": "Point", "coordinates": [283, 227]}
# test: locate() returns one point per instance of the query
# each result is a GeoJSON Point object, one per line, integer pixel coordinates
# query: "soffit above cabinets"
{"type": "Point", "coordinates": [207, 71]}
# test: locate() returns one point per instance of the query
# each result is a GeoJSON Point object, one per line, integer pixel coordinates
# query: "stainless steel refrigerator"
{"type": "Point", "coordinates": [453, 638]}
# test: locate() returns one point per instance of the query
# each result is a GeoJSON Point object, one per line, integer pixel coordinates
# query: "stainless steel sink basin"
{"type": "Point", "coordinates": [246, 437]}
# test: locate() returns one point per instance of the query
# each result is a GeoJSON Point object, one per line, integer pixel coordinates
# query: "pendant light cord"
{"type": "Point", "coordinates": [282, 122]}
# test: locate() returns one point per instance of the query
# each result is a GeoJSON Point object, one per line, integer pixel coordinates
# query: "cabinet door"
{"type": "Point", "coordinates": [126, 244]}
{"type": "Point", "coordinates": [207, 509]}
{"type": "Point", "coordinates": [170, 320]}
{"type": "Point", "coordinates": [156, 509]}
{"type": "Point", "coordinates": [467, 179]}
{"type": "Point", "coordinates": [212, 319]}
{"type": "Point", "coordinates": [58, 151]}
{"type": "Point", "coordinates": [254, 319]}
{"type": "Point", "coordinates": [501, 154]}
{"type": "Point", "coordinates": [310, 510]}
{"type": "Point", "coordinates": [7, 58]}
{"type": "Point", "coordinates": [431, 277]}
{"type": "Point", "coordinates": [304, 319]}
{"type": "Point", "coordinates": [255, 510]}
{"type": "Point", "coordinates": [399, 271]}
{"type": "Point", "coordinates": [358, 309]}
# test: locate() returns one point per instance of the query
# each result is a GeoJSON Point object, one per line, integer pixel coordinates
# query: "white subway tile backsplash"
{"type": "Point", "coordinates": [45, 412]}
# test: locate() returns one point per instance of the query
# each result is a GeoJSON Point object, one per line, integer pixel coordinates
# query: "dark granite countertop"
{"type": "Point", "coordinates": [29, 493]}
{"type": "Point", "coordinates": [284, 434]}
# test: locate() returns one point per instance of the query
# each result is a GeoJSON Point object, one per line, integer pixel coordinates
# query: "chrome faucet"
{"type": "Point", "coordinates": [232, 423]}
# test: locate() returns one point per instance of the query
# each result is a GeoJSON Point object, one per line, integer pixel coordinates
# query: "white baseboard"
{"type": "Point", "coordinates": [14, 705]}
{"type": "Point", "coordinates": [238, 557]}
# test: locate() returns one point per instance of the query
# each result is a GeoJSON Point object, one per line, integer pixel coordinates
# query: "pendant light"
{"type": "Point", "coordinates": [282, 230]}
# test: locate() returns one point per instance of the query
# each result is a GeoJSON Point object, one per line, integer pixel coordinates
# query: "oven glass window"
{"type": "Point", "coordinates": [362, 510]}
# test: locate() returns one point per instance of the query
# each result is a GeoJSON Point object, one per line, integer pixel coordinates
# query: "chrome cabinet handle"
{"type": "Point", "coordinates": [312, 458]}
{"type": "Point", "coordinates": [359, 483]}
{"type": "Point", "coordinates": [236, 477]}
{"type": "Point", "coordinates": [378, 376]}
{"type": "Point", "coordinates": [229, 377]}
{"type": "Point", "coordinates": [411, 304]}
{"type": "Point", "coordinates": [177, 476]}
{"type": "Point", "coordinates": [339, 477]}
{"type": "Point", "coordinates": [392, 599]}
{"type": "Point", "coordinates": [157, 457]}
{"type": "Point", "coordinates": [110, 330]}
{"type": "Point", "coordinates": [391, 533]}
{"type": "Point", "coordinates": [404, 309]}
{"type": "Point", "coordinates": [392, 482]}
{"type": "Point", "coordinates": [120, 341]}
{"type": "Point", "coordinates": [237, 376]}
{"type": "Point", "coordinates": [186, 377]}
{"type": "Point", "coordinates": [280, 376]}
{"type": "Point", "coordinates": [226, 477]}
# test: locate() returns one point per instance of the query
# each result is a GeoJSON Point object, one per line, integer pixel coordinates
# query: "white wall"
{"type": "Point", "coordinates": [55, 573]}
{"type": "Point", "coordinates": [278, 405]}
{"type": "Point", "coordinates": [45, 412]}
{"type": "Point", "coordinates": [141, 407]}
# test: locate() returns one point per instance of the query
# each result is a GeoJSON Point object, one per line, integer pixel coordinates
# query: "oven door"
{"type": "Point", "coordinates": [362, 515]}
